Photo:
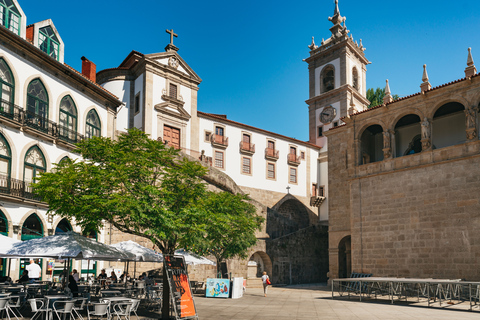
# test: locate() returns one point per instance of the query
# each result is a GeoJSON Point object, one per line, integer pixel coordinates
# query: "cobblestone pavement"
{"type": "Point", "coordinates": [315, 302]}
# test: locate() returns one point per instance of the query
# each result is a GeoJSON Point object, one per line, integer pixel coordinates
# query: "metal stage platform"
{"type": "Point", "coordinates": [401, 289]}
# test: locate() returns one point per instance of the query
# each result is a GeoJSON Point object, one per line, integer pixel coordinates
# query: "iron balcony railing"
{"type": "Point", "coordinates": [69, 135]}
{"type": "Point", "coordinates": [219, 140]}
{"type": "Point", "coordinates": [247, 146]}
{"type": "Point", "coordinates": [11, 111]}
{"type": "Point", "coordinates": [271, 153]}
{"type": "Point", "coordinates": [40, 123]}
{"type": "Point", "coordinates": [17, 188]}
{"type": "Point", "coordinates": [293, 158]}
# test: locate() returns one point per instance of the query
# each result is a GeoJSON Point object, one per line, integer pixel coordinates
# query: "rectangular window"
{"type": "Point", "coordinates": [246, 165]}
{"type": "Point", "coordinates": [208, 134]}
{"type": "Point", "coordinates": [293, 150]}
{"type": "Point", "coordinates": [321, 191]}
{"type": "Point", "coordinates": [320, 131]}
{"type": "Point", "coordinates": [137, 104]}
{"type": "Point", "coordinates": [219, 159]}
{"type": "Point", "coordinates": [335, 124]}
{"type": "Point", "coordinates": [314, 189]}
{"type": "Point", "coordinates": [173, 91]}
{"type": "Point", "coordinates": [219, 131]}
{"type": "Point", "coordinates": [293, 175]}
{"type": "Point", "coordinates": [302, 155]}
{"type": "Point", "coordinates": [271, 170]}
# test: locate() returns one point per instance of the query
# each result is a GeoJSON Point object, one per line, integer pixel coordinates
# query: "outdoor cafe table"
{"type": "Point", "coordinates": [49, 303]}
{"type": "Point", "coordinates": [116, 299]}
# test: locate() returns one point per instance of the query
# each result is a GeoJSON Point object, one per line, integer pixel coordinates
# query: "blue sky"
{"type": "Point", "coordinates": [249, 53]}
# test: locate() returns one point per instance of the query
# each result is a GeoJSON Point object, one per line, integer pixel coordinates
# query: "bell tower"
{"type": "Point", "coordinates": [337, 79]}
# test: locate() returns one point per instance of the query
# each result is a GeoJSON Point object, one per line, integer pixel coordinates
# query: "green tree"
{"type": "Point", "coordinates": [376, 96]}
{"type": "Point", "coordinates": [230, 230]}
{"type": "Point", "coordinates": [138, 185]}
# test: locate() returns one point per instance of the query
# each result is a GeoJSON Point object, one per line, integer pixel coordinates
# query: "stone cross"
{"type": "Point", "coordinates": [172, 34]}
{"type": "Point", "coordinates": [288, 189]}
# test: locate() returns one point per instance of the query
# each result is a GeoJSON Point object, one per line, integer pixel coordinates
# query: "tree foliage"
{"type": "Point", "coordinates": [376, 96]}
{"type": "Point", "coordinates": [139, 185]}
{"type": "Point", "coordinates": [231, 227]}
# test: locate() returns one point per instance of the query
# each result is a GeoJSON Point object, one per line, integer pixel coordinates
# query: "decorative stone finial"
{"type": "Point", "coordinates": [388, 95]}
{"type": "Point", "coordinates": [470, 70]}
{"type": "Point", "coordinates": [337, 20]}
{"type": "Point", "coordinates": [425, 85]}
{"type": "Point", "coordinates": [313, 46]}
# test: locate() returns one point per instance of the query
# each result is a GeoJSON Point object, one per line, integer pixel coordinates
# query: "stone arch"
{"type": "Point", "coordinates": [13, 154]}
{"type": "Point", "coordinates": [47, 88]}
{"type": "Point", "coordinates": [258, 262]}
{"type": "Point", "coordinates": [59, 100]}
{"type": "Point", "coordinates": [448, 125]}
{"type": "Point", "coordinates": [23, 153]}
{"type": "Point", "coordinates": [345, 257]}
{"type": "Point", "coordinates": [63, 225]}
{"type": "Point", "coordinates": [362, 129]}
{"type": "Point", "coordinates": [9, 221]}
{"type": "Point", "coordinates": [404, 112]}
{"type": "Point", "coordinates": [287, 216]}
{"type": "Point", "coordinates": [371, 144]}
{"type": "Point", "coordinates": [407, 135]}
{"type": "Point", "coordinates": [454, 99]}
{"type": "Point", "coordinates": [30, 214]}
{"type": "Point", "coordinates": [16, 90]}
{"type": "Point", "coordinates": [327, 78]}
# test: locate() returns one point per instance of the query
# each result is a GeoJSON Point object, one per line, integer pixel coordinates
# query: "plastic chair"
{"type": "Point", "coordinates": [140, 287]}
{"type": "Point", "coordinates": [34, 305]}
{"type": "Point", "coordinates": [79, 306]}
{"type": "Point", "coordinates": [99, 310]}
{"type": "Point", "coordinates": [135, 305]}
{"type": "Point", "coordinates": [123, 309]}
{"type": "Point", "coordinates": [4, 307]}
{"type": "Point", "coordinates": [67, 308]}
{"type": "Point", "coordinates": [16, 303]}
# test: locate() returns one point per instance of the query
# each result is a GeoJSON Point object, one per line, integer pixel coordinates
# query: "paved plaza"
{"type": "Point", "coordinates": [315, 302]}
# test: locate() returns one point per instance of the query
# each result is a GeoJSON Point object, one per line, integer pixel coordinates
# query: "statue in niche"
{"type": "Point", "coordinates": [425, 129]}
{"type": "Point", "coordinates": [386, 140]}
{"type": "Point", "coordinates": [470, 118]}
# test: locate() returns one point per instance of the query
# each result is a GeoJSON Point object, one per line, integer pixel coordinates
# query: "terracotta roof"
{"type": "Point", "coordinates": [88, 79]}
{"type": "Point", "coordinates": [415, 94]}
{"type": "Point", "coordinates": [224, 119]}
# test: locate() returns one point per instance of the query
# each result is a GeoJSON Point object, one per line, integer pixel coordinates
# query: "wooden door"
{"type": "Point", "coordinates": [172, 136]}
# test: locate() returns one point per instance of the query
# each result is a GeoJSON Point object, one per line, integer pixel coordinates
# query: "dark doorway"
{"type": "Point", "coordinates": [344, 257]}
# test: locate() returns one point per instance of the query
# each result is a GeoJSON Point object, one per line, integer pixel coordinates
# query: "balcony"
{"type": "Point", "coordinates": [11, 113]}
{"type": "Point", "coordinates": [68, 136]}
{"type": "Point", "coordinates": [293, 159]}
{"type": "Point", "coordinates": [316, 201]}
{"type": "Point", "coordinates": [219, 141]}
{"type": "Point", "coordinates": [247, 148]}
{"type": "Point", "coordinates": [271, 154]}
{"type": "Point", "coordinates": [13, 188]}
{"type": "Point", "coordinates": [39, 125]}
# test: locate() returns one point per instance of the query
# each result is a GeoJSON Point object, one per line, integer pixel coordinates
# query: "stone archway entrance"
{"type": "Point", "coordinates": [257, 264]}
{"type": "Point", "coordinates": [345, 257]}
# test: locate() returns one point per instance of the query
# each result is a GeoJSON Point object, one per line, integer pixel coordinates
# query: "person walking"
{"type": "Point", "coordinates": [266, 282]}
{"type": "Point", "coordinates": [34, 271]}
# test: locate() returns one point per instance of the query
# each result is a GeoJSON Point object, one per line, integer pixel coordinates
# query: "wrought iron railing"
{"type": "Point", "coordinates": [220, 140]}
{"type": "Point", "coordinates": [39, 123]}
{"type": "Point", "coordinates": [293, 158]}
{"type": "Point", "coordinates": [10, 110]}
{"type": "Point", "coordinates": [271, 153]}
{"type": "Point", "coordinates": [247, 146]}
{"type": "Point", "coordinates": [17, 188]}
{"type": "Point", "coordinates": [69, 135]}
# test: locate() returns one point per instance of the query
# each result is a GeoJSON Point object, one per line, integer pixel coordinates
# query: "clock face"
{"type": "Point", "coordinates": [328, 114]}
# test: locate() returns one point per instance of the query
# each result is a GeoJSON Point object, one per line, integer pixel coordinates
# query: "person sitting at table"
{"type": "Point", "coordinates": [113, 277]}
{"type": "Point", "coordinates": [72, 285]}
{"type": "Point", "coordinates": [24, 277]}
{"type": "Point", "coordinates": [124, 277]}
{"type": "Point", "coordinates": [102, 277]}
{"type": "Point", "coordinates": [76, 275]}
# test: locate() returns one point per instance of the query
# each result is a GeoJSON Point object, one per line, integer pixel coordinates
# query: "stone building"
{"type": "Point", "coordinates": [404, 183]}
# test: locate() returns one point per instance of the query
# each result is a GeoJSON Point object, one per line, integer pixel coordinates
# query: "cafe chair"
{"type": "Point", "coordinates": [16, 302]}
{"type": "Point", "coordinates": [100, 310]}
{"type": "Point", "coordinates": [79, 306]}
{"type": "Point", "coordinates": [38, 306]}
{"type": "Point", "coordinates": [67, 308]}
{"type": "Point", "coordinates": [135, 305]}
{"type": "Point", "coordinates": [123, 309]}
{"type": "Point", "coordinates": [4, 308]}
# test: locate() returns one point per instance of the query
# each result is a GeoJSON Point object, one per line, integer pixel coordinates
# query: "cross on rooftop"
{"type": "Point", "coordinates": [172, 34]}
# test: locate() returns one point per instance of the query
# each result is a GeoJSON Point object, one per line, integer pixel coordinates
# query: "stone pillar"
{"type": "Point", "coordinates": [387, 140]}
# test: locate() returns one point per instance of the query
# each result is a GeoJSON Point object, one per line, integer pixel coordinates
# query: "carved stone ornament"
{"type": "Point", "coordinates": [387, 152]}
{"type": "Point", "coordinates": [173, 62]}
{"type": "Point", "coordinates": [471, 133]}
{"type": "Point", "coordinates": [426, 144]}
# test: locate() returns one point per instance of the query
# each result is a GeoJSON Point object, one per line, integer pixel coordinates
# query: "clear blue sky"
{"type": "Point", "coordinates": [249, 53]}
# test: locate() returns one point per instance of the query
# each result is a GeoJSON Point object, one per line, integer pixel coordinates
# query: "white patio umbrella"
{"type": "Point", "coordinates": [140, 252]}
{"type": "Point", "coordinates": [6, 244]}
{"type": "Point", "coordinates": [67, 245]}
{"type": "Point", "coordinates": [192, 258]}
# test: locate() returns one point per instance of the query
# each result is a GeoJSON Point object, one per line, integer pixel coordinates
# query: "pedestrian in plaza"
{"type": "Point", "coordinates": [34, 271]}
{"type": "Point", "coordinates": [75, 275]}
{"type": "Point", "coordinates": [266, 282]}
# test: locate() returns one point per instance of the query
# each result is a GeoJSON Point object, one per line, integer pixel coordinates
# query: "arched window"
{"type": "Point", "coordinates": [328, 79]}
{"type": "Point", "coordinates": [3, 224]}
{"type": "Point", "coordinates": [94, 126]}
{"type": "Point", "coordinates": [48, 42]}
{"type": "Point", "coordinates": [7, 87]}
{"type": "Point", "coordinates": [448, 126]}
{"type": "Point", "coordinates": [37, 104]}
{"type": "Point", "coordinates": [355, 82]}
{"type": "Point", "coordinates": [63, 226]}
{"type": "Point", "coordinates": [5, 162]}
{"type": "Point", "coordinates": [68, 120]}
{"type": "Point", "coordinates": [407, 134]}
{"type": "Point", "coordinates": [372, 144]}
{"type": "Point", "coordinates": [34, 165]}
{"type": "Point", "coordinates": [10, 16]}
{"type": "Point", "coordinates": [32, 228]}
